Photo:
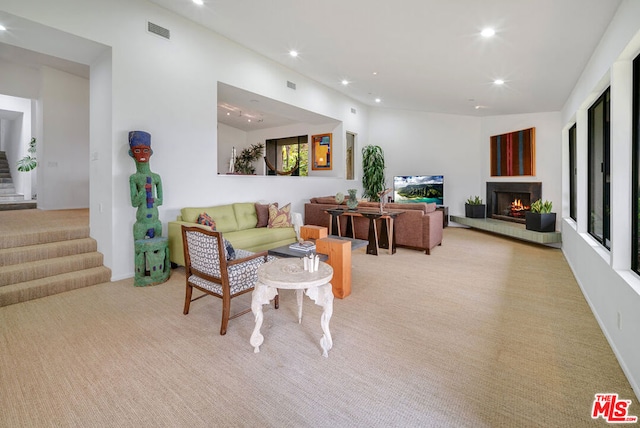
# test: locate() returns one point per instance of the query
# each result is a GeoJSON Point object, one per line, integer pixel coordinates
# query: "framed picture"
{"type": "Point", "coordinates": [321, 151]}
{"type": "Point", "coordinates": [514, 153]}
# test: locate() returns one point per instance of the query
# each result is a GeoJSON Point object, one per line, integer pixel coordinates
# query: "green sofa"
{"type": "Point", "coordinates": [237, 222]}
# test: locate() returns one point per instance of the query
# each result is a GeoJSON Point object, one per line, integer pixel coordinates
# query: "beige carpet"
{"type": "Point", "coordinates": [485, 332]}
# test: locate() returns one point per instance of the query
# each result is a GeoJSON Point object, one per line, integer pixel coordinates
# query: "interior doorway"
{"type": "Point", "coordinates": [350, 155]}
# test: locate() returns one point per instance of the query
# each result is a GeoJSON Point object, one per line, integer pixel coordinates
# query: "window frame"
{"type": "Point", "coordinates": [605, 169]}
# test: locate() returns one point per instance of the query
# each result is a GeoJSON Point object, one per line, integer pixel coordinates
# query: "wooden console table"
{"type": "Point", "coordinates": [385, 239]}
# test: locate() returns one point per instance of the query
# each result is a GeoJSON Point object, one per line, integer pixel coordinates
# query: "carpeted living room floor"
{"type": "Point", "coordinates": [485, 332]}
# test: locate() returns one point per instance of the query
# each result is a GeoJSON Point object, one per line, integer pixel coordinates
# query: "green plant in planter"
{"type": "Point", "coordinates": [474, 207]}
{"type": "Point", "coordinates": [244, 161]}
{"type": "Point", "coordinates": [474, 200]}
{"type": "Point", "coordinates": [29, 162]}
{"type": "Point", "coordinates": [541, 207]}
{"type": "Point", "coordinates": [373, 180]}
{"type": "Point", "coordinates": [539, 218]}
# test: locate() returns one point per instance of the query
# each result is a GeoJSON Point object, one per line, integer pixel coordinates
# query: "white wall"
{"type": "Point", "coordinates": [19, 80]}
{"type": "Point", "coordinates": [63, 179]}
{"type": "Point", "coordinates": [609, 286]}
{"type": "Point", "coordinates": [419, 143]}
{"type": "Point", "coordinates": [228, 138]}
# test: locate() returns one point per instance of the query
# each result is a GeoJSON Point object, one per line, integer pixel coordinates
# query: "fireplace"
{"type": "Point", "coordinates": [510, 200]}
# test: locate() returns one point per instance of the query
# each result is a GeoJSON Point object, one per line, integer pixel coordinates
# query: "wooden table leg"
{"type": "Point", "coordinates": [335, 224]}
{"type": "Point", "coordinates": [372, 247]}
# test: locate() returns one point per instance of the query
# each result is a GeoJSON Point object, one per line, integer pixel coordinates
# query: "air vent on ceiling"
{"type": "Point", "coordinates": [158, 30]}
{"type": "Point", "coordinates": [291, 85]}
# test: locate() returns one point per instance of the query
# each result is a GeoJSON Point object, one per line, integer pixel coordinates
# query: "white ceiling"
{"type": "Point", "coordinates": [428, 54]}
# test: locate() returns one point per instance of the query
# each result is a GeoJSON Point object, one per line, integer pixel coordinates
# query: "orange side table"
{"type": "Point", "coordinates": [339, 252]}
{"type": "Point", "coordinates": [312, 232]}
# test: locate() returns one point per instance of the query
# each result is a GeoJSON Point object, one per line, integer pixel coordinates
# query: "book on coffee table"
{"type": "Point", "coordinates": [303, 246]}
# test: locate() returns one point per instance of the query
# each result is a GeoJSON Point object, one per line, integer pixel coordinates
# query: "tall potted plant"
{"type": "Point", "coordinates": [540, 218]}
{"type": "Point", "coordinates": [373, 180]}
{"type": "Point", "coordinates": [474, 208]}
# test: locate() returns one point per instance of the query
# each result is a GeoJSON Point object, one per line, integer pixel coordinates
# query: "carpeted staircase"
{"type": "Point", "coordinates": [9, 199]}
{"type": "Point", "coordinates": [46, 256]}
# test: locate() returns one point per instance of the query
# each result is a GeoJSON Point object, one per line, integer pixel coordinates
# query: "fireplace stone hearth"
{"type": "Point", "coordinates": [510, 201]}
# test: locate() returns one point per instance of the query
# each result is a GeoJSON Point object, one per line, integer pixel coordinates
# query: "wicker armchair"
{"type": "Point", "coordinates": [208, 270]}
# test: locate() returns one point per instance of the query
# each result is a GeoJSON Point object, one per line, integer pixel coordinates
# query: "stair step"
{"type": "Point", "coordinates": [31, 253]}
{"type": "Point", "coordinates": [6, 180]}
{"type": "Point", "coordinates": [43, 287]}
{"type": "Point", "coordinates": [43, 236]}
{"type": "Point", "coordinates": [24, 272]}
{"type": "Point", "coordinates": [18, 205]}
{"type": "Point", "coordinates": [10, 197]}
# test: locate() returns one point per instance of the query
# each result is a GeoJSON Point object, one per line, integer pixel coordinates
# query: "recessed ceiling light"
{"type": "Point", "coordinates": [375, 73]}
{"type": "Point", "coordinates": [198, 2]}
{"type": "Point", "coordinates": [378, 100]}
{"type": "Point", "coordinates": [293, 53]}
{"type": "Point", "coordinates": [345, 82]}
{"type": "Point", "coordinates": [488, 32]}
{"type": "Point", "coordinates": [498, 82]}
{"type": "Point", "coordinates": [3, 28]}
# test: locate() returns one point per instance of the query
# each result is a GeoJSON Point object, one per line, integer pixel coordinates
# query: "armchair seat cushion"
{"type": "Point", "coordinates": [242, 276]}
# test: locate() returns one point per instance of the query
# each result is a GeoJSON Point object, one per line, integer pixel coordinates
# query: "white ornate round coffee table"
{"type": "Point", "coordinates": [289, 273]}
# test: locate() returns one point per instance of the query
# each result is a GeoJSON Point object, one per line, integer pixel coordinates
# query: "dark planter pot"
{"type": "Point", "coordinates": [540, 222]}
{"type": "Point", "coordinates": [475, 211]}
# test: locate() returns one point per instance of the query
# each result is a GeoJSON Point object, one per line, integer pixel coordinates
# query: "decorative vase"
{"type": "Point", "coordinates": [352, 201]}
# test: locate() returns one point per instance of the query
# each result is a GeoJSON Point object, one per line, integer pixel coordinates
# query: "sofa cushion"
{"type": "Point", "coordinates": [190, 214]}
{"type": "Point", "coordinates": [206, 220]}
{"type": "Point", "coordinates": [245, 215]}
{"type": "Point", "coordinates": [326, 200]}
{"type": "Point", "coordinates": [261, 237]}
{"type": "Point", "coordinates": [225, 218]}
{"type": "Point", "coordinates": [262, 212]}
{"type": "Point", "coordinates": [279, 217]}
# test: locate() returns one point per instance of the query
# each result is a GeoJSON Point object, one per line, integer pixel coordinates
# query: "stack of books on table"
{"type": "Point", "coordinates": [304, 246]}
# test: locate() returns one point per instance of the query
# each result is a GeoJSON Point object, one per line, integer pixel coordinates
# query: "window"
{"type": "Point", "coordinates": [288, 156]}
{"type": "Point", "coordinates": [599, 168]}
{"type": "Point", "coordinates": [635, 172]}
{"type": "Point", "coordinates": [573, 174]}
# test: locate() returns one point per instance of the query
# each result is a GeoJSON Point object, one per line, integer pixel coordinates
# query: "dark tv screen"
{"type": "Point", "coordinates": [418, 188]}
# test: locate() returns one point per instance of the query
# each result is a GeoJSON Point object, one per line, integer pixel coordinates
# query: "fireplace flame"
{"type": "Point", "coordinates": [517, 208]}
{"type": "Point", "coordinates": [516, 205]}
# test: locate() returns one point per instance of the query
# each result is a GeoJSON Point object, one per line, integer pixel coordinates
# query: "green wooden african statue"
{"type": "Point", "coordinates": [146, 188]}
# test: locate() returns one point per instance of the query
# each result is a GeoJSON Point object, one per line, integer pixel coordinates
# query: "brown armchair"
{"type": "Point", "coordinates": [208, 270]}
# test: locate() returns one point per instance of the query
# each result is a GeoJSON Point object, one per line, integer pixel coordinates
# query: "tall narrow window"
{"type": "Point", "coordinates": [599, 168]}
{"type": "Point", "coordinates": [635, 173]}
{"type": "Point", "coordinates": [573, 175]}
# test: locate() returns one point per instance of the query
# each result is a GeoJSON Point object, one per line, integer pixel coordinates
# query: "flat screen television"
{"type": "Point", "coordinates": [418, 188]}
